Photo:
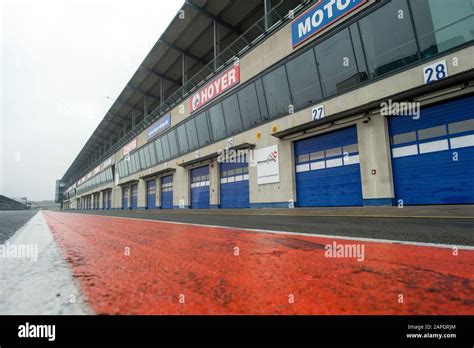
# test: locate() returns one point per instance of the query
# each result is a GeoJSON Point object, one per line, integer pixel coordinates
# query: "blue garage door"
{"type": "Point", "coordinates": [200, 188]}
{"type": "Point", "coordinates": [235, 185]}
{"type": "Point", "coordinates": [151, 194]}
{"type": "Point", "coordinates": [167, 192]}
{"type": "Point", "coordinates": [124, 197]}
{"type": "Point", "coordinates": [134, 201]}
{"type": "Point", "coordinates": [328, 171]}
{"type": "Point", "coordinates": [433, 156]}
{"type": "Point", "coordinates": [109, 199]}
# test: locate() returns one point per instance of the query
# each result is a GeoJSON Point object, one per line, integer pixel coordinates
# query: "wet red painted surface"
{"type": "Point", "coordinates": [168, 261]}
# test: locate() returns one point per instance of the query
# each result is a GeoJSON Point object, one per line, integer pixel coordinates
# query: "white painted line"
{"type": "Point", "coordinates": [41, 285]}
{"type": "Point", "coordinates": [327, 236]}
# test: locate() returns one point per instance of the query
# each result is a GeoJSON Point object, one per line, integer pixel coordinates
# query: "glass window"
{"type": "Point", "coordinates": [216, 119]}
{"type": "Point", "coordinates": [462, 126]}
{"type": "Point", "coordinates": [333, 152]}
{"type": "Point", "coordinates": [303, 79]}
{"type": "Point", "coordinates": [137, 161]}
{"type": "Point", "coordinates": [158, 150]}
{"type": "Point", "coordinates": [131, 164]}
{"type": "Point", "coordinates": [182, 139]}
{"type": "Point", "coordinates": [337, 65]}
{"type": "Point", "coordinates": [358, 52]}
{"type": "Point", "coordinates": [128, 164]}
{"type": "Point", "coordinates": [147, 156]}
{"type": "Point", "coordinates": [233, 122]}
{"type": "Point", "coordinates": [173, 144]}
{"type": "Point", "coordinates": [141, 153]}
{"type": "Point", "coordinates": [202, 126]}
{"type": "Point", "coordinates": [350, 148]}
{"type": "Point", "coordinates": [383, 54]}
{"type": "Point", "coordinates": [404, 138]}
{"type": "Point", "coordinates": [433, 132]}
{"type": "Point", "coordinates": [316, 155]}
{"type": "Point", "coordinates": [303, 158]}
{"type": "Point", "coordinates": [441, 26]}
{"type": "Point", "coordinates": [249, 108]}
{"type": "Point", "coordinates": [152, 151]}
{"type": "Point", "coordinates": [261, 99]}
{"type": "Point", "coordinates": [277, 92]}
{"type": "Point", "coordinates": [122, 169]}
{"type": "Point", "coordinates": [192, 134]}
{"type": "Point", "coordinates": [166, 148]}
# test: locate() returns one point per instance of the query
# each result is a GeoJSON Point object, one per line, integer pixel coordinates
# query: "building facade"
{"type": "Point", "coordinates": [346, 103]}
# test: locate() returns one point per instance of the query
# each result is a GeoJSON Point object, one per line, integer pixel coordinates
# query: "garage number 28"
{"type": "Point", "coordinates": [435, 72]}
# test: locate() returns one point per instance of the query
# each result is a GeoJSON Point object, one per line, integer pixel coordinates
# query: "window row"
{"type": "Point", "coordinates": [391, 37]}
{"type": "Point", "coordinates": [434, 132]}
{"type": "Point", "coordinates": [329, 153]}
{"type": "Point", "coordinates": [105, 177]}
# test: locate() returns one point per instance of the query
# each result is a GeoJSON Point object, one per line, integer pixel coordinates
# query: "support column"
{"type": "Point", "coordinates": [145, 106]}
{"type": "Point", "coordinates": [181, 188]}
{"type": "Point", "coordinates": [101, 200]}
{"type": "Point", "coordinates": [267, 8]}
{"type": "Point", "coordinates": [216, 44]}
{"type": "Point", "coordinates": [214, 187]}
{"type": "Point", "coordinates": [162, 91]}
{"type": "Point", "coordinates": [158, 192]}
{"type": "Point", "coordinates": [184, 71]}
{"type": "Point", "coordinates": [375, 161]}
{"type": "Point", "coordinates": [141, 200]}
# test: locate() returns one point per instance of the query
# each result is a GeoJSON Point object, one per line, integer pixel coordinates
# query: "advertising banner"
{"type": "Point", "coordinates": [321, 15]}
{"type": "Point", "coordinates": [268, 165]}
{"type": "Point", "coordinates": [130, 147]}
{"type": "Point", "coordinates": [224, 81]}
{"type": "Point", "coordinates": [158, 127]}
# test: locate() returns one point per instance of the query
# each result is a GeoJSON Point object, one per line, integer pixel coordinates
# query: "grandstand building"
{"type": "Point", "coordinates": [7, 203]}
{"type": "Point", "coordinates": [265, 103]}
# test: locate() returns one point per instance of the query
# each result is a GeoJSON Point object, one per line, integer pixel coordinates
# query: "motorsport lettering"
{"type": "Point", "coordinates": [320, 16]}
{"type": "Point", "coordinates": [219, 85]}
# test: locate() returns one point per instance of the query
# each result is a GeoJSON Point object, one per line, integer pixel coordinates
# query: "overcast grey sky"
{"type": "Point", "coordinates": [59, 60]}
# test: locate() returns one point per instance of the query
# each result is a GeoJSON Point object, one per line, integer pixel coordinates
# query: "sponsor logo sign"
{"type": "Point", "coordinates": [158, 127]}
{"type": "Point", "coordinates": [268, 165]}
{"type": "Point", "coordinates": [318, 17]}
{"type": "Point", "coordinates": [130, 147]}
{"type": "Point", "coordinates": [224, 81]}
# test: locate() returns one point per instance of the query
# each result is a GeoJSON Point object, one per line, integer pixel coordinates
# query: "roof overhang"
{"type": "Point", "coordinates": [159, 78]}
{"type": "Point", "coordinates": [163, 172]}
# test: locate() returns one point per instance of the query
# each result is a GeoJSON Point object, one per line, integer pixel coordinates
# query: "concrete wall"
{"type": "Point", "coordinates": [375, 161]}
